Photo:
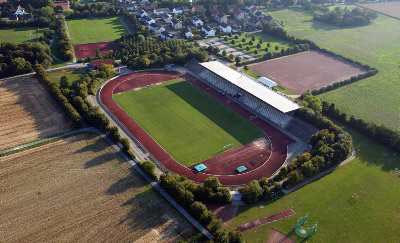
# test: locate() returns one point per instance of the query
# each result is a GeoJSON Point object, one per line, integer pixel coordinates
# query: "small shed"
{"type": "Point", "coordinates": [200, 168]}
{"type": "Point", "coordinates": [241, 169]}
{"type": "Point", "coordinates": [267, 82]}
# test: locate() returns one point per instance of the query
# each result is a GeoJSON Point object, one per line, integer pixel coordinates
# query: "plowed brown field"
{"type": "Point", "coordinates": [27, 112]}
{"type": "Point", "coordinates": [80, 190]}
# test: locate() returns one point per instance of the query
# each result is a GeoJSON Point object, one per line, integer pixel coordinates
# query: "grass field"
{"type": "Point", "coordinates": [377, 98]}
{"type": "Point", "coordinates": [188, 123]}
{"type": "Point", "coordinates": [72, 75]}
{"type": "Point", "coordinates": [81, 190]}
{"type": "Point", "coordinates": [84, 31]}
{"type": "Point", "coordinates": [358, 202]}
{"type": "Point", "coordinates": [19, 35]}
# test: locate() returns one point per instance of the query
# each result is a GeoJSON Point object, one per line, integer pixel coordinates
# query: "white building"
{"type": "Point", "coordinates": [208, 31]}
{"type": "Point", "coordinates": [197, 22]}
{"type": "Point", "coordinates": [267, 82]}
{"type": "Point", "coordinates": [247, 92]}
{"type": "Point", "coordinates": [225, 28]}
{"type": "Point", "coordinates": [189, 35]}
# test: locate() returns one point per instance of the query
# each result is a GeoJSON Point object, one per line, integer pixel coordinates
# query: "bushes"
{"type": "Point", "coordinates": [252, 192]}
{"type": "Point", "coordinates": [184, 192]}
{"type": "Point", "coordinates": [149, 168]}
{"type": "Point", "coordinates": [20, 59]}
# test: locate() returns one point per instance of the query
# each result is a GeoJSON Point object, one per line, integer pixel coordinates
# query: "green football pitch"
{"type": "Point", "coordinates": [94, 30]}
{"type": "Point", "coordinates": [188, 123]}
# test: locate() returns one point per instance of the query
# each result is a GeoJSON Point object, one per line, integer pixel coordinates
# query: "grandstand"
{"type": "Point", "coordinates": [246, 91]}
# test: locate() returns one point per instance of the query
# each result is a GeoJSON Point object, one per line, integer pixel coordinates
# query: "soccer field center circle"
{"type": "Point", "coordinates": [277, 141]}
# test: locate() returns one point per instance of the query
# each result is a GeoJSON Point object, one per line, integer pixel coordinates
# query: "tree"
{"type": "Point", "coordinates": [20, 65]}
{"type": "Point", "coordinates": [252, 192]}
{"type": "Point", "coordinates": [64, 82]}
{"type": "Point", "coordinates": [312, 102]}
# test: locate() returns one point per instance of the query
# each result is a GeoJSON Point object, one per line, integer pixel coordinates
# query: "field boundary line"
{"type": "Point", "coordinates": [376, 11]}
{"type": "Point", "coordinates": [44, 141]}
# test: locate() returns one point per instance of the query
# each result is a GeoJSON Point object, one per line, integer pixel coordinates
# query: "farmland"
{"type": "Point", "coordinates": [376, 45]}
{"type": "Point", "coordinates": [94, 30]}
{"type": "Point", "coordinates": [188, 123]}
{"type": "Point", "coordinates": [358, 202]}
{"type": "Point", "coordinates": [90, 194]}
{"type": "Point", "coordinates": [19, 35]}
{"type": "Point", "coordinates": [306, 71]}
{"type": "Point", "coordinates": [389, 8]}
{"type": "Point", "coordinates": [28, 112]}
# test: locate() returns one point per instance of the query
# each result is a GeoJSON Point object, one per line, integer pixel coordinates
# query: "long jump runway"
{"type": "Point", "coordinates": [263, 156]}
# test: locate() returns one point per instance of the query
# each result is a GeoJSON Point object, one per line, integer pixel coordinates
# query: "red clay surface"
{"type": "Point", "coordinates": [261, 157]}
{"type": "Point", "coordinates": [266, 220]}
{"type": "Point", "coordinates": [89, 50]}
{"type": "Point", "coordinates": [391, 8]}
{"type": "Point", "coordinates": [278, 237]}
{"type": "Point", "coordinates": [305, 71]}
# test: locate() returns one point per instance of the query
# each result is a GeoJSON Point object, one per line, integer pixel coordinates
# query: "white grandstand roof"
{"type": "Point", "coordinates": [250, 85]}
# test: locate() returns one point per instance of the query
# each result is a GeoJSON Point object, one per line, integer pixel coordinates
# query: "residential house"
{"type": "Point", "coordinates": [177, 10]}
{"type": "Point", "coordinates": [225, 28]}
{"type": "Point", "coordinates": [176, 24]}
{"type": "Point", "coordinates": [239, 14]}
{"type": "Point", "coordinates": [222, 18]}
{"type": "Point", "coordinates": [166, 17]}
{"type": "Point", "coordinates": [197, 22]}
{"type": "Point", "coordinates": [157, 29]}
{"type": "Point", "coordinates": [208, 31]}
{"type": "Point", "coordinates": [165, 35]}
{"type": "Point", "coordinates": [161, 11]}
{"type": "Point", "coordinates": [188, 34]}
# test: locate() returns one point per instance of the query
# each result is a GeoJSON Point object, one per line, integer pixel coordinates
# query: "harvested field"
{"type": "Point", "coordinates": [89, 50]}
{"type": "Point", "coordinates": [89, 195]}
{"type": "Point", "coordinates": [306, 71]}
{"type": "Point", "coordinates": [391, 9]}
{"type": "Point", "coordinates": [28, 112]}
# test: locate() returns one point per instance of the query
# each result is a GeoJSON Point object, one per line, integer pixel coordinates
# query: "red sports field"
{"type": "Point", "coordinates": [305, 71]}
{"type": "Point", "coordinates": [89, 50]}
{"type": "Point", "coordinates": [262, 157]}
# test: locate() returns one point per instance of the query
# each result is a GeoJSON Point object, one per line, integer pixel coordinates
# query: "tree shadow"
{"type": "Point", "coordinates": [29, 109]}
{"type": "Point", "coordinates": [222, 116]}
{"type": "Point", "coordinates": [118, 26]}
{"type": "Point", "coordinates": [372, 153]}
{"type": "Point", "coordinates": [147, 213]}
{"type": "Point", "coordinates": [124, 184]}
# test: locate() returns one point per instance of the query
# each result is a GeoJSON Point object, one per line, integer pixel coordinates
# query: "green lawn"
{"type": "Point", "coordinates": [359, 202]}
{"type": "Point", "coordinates": [72, 75]}
{"type": "Point", "coordinates": [274, 45]}
{"type": "Point", "coordinates": [377, 98]}
{"type": "Point", "coordinates": [19, 35]}
{"type": "Point", "coordinates": [188, 123]}
{"type": "Point", "coordinates": [94, 30]}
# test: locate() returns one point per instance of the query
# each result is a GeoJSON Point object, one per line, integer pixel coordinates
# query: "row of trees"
{"type": "Point", "coordinates": [378, 133]}
{"type": "Point", "coordinates": [62, 41]}
{"type": "Point", "coordinates": [192, 197]}
{"type": "Point", "coordinates": [139, 51]}
{"type": "Point", "coordinates": [20, 59]}
{"type": "Point", "coordinates": [345, 17]}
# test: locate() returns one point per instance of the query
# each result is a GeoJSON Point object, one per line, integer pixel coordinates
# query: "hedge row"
{"type": "Point", "coordinates": [378, 133]}
{"type": "Point", "coordinates": [184, 192]}
{"type": "Point", "coordinates": [272, 28]}
{"type": "Point", "coordinates": [63, 44]}
{"type": "Point", "coordinates": [353, 79]}
{"type": "Point", "coordinates": [58, 95]}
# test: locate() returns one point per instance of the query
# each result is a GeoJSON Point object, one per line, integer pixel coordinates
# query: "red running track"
{"type": "Point", "coordinates": [279, 140]}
